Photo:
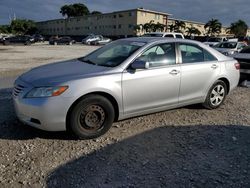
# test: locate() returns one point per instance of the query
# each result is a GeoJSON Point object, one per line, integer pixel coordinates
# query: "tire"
{"type": "Point", "coordinates": [216, 95]}
{"type": "Point", "coordinates": [91, 117]}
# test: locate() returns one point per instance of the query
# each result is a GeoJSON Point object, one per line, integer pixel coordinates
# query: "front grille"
{"type": "Point", "coordinates": [18, 89]}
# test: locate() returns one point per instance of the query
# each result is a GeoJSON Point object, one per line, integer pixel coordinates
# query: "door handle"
{"type": "Point", "coordinates": [214, 66]}
{"type": "Point", "coordinates": [174, 72]}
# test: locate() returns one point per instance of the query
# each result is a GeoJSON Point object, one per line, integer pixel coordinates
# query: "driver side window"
{"type": "Point", "coordinates": [160, 55]}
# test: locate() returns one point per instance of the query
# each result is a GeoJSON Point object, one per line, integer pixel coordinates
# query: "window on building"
{"type": "Point", "coordinates": [131, 13]}
{"type": "Point", "coordinates": [114, 16]}
{"type": "Point", "coordinates": [120, 15]}
{"type": "Point", "coordinates": [114, 26]}
{"type": "Point", "coordinates": [119, 26]}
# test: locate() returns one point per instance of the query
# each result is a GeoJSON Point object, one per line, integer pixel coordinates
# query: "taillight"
{"type": "Point", "coordinates": [237, 66]}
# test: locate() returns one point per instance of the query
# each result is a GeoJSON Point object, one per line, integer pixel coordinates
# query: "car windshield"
{"type": "Point", "coordinates": [230, 45]}
{"type": "Point", "coordinates": [153, 35]}
{"type": "Point", "coordinates": [214, 40]}
{"type": "Point", "coordinates": [113, 54]}
{"type": "Point", "coordinates": [245, 50]}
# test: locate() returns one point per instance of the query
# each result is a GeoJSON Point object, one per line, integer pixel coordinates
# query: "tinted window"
{"type": "Point", "coordinates": [179, 36]}
{"type": "Point", "coordinates": [160, 55]}
{"type": "Point", "coordinates": [226, 45]}
{"type": "Point", "coordinates": [245, 50]}
{"type": "Point", "coordinates": [169, 36]}
{"type": "Point", "coordinates": [152, 35]}
{"type": "Point", "coordinates": [208, 56]}
{"type": "Point", "coordinates": [191, 53]}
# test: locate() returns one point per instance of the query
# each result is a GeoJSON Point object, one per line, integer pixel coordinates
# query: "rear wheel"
{"type": "Point", "coordinates": [92, 117]}
{"type": "Point", "coordinates": [216, 95]}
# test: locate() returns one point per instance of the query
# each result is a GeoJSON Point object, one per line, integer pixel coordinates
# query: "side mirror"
{"type": "Point", "coordinates": [140, 64]}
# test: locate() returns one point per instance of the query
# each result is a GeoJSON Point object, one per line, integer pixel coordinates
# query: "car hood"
{"type": "Point", "coordinates": [60, 72]}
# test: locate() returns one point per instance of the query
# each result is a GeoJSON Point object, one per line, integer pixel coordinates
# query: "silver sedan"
{"type": "Point", "coordinates": [126, 78]}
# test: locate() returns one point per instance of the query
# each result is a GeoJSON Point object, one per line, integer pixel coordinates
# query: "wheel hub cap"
{"type": "Point", "coordinates": [92, 117]}
{"type": "Point", "coordinates": [217, 95]}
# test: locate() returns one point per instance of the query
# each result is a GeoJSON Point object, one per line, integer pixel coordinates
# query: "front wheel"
{"type": "Point", "coordinates": [92, 117]}
{"type": "Point", "coordinates": [216, 95]}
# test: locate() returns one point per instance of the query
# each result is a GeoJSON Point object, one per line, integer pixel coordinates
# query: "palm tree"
{"type": "Point", "coordinates": [171, 27]}
{"type": "Point", "coordinates": [179, 26]}
{"type": "Point", "coordinates": [138, 28]}
{"type": "Point", "coordinates": [239, 28]}
{"type": "Point", "coordinates": [192, 31]}
{"type": "Point", "coordinates": [160, 27]}
{"type": "Point", "coordinates": [147, 27]}
{"type": "Point", "coordinates": [213, 27]}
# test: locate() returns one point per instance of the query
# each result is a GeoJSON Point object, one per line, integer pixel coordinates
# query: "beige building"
{"type": "Point", "coordinates": [120, 23]}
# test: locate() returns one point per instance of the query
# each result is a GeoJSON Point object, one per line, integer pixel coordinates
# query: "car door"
{"type": "Point", "coordinates": [154, 88]}
{"type": "Point", "coordinates": [199, 70]}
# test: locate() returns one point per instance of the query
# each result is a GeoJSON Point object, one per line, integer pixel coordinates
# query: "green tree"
{"type": "Point", "coordinates": [213, 27]}
{"type": "Point", "coordinates": [192, 31]}
{"type": "Point", "coordinates": [238, 28]}
{"type": "Point", "coordinates": [5, 29]}
{"type": "Point", "coordinates": [74, 10]}
{"type": "Point", "coordinates": [20, 26]}
{"type": "Point", "coordinates": [95, 13]}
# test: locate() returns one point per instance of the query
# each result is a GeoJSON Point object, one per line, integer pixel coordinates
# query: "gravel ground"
{"type": "Point", "coordinates": [186, 147]}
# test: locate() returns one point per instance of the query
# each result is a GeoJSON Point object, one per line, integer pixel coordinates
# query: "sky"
{"type": "Point", "coordinates": [227, 11]}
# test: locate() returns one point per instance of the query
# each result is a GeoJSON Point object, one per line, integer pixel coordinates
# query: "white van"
{"type": "Point", "coordinates": [164, 34]}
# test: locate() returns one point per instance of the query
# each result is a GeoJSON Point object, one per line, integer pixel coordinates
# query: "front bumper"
{"type": "Point", "coordinates": [43, 113]}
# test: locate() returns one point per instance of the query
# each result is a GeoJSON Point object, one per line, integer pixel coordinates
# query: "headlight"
{"type": "Point", "coordinates": [46, 91]}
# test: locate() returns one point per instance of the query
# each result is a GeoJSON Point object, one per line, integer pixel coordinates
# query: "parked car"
{"type": "Point", "coordinates": [215, 40]}
{"type": "Point", "coordinates": [164, 34]}
{"type": "Point", "coordinates": [91, 38]}
{"type": "Point", "coordinates": [246, 40]}
{"type": "Point", "coordinates": [20, 39]}
{"type": "Point", "coordinates": [101, 41]}
{"type": "Point", "coordinates": [61, 40]}
{"type": "Point", "coordinates": [123, 79]}
{"type": "Point", "coordinates": [38, 38]}
{"type": "Point", "coordinates": [229, 48]}
{"type": "Point", "coordinates": [244, 59]}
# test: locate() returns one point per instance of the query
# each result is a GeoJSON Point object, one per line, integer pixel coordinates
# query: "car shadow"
{"type": "Point", "coordinates": [12, 129]}
{"type": "Point", "coordinates": [171, 156]}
